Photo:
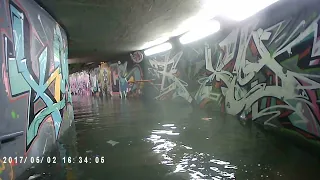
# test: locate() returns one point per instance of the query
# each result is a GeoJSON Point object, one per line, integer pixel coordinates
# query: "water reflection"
{"type": "Point", "coordinates": [150, 141]}
{"type": "Point", "coordinates": [183, 159]}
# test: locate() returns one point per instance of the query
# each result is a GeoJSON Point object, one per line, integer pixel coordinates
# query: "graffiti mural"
{"type": "Point", "coordinates": [137, 56]}
{"type": "Point", "coordinates": [114, 79]}
{"type": "Point", "coordinates": [93, 76]}
{"type": "Point", "coordinates": [47, 84]}
{"type": "Point", "coordinates": [261, 83]}
{"type": "Point", "coordinates": [80, 83]}
{"type": "Point", "coordinates": [266, 74]}
{"type": "Point", "coordinates": [123, 81]}
{"type": "Point", "coordinates": [104, 78]}
{"type": "Point", "coordinates": [20, 78]}
{"type": "Point", "coordinates": [34, 88]}
{"type": "Point", "coordinates": [6, 171]}
{"type": "Point", "coordinates": [170, 85]}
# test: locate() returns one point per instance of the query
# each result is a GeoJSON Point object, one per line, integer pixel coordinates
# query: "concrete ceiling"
{"type": "Point", "coordinates": [106, 28]}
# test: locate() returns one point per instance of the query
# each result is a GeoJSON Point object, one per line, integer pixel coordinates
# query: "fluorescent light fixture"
{"type": "Point", "coordinates": [239, 10]}
{"type": "Point", "coordinates": [204, 15]}
{"type": "Point", "coordinates": [158, 49]}
{"type": "Point", "coordinates": [155, 42]}
{"type": "Point", "coordinates": [200, 32]}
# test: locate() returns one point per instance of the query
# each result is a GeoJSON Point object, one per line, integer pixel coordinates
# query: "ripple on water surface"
{"type": "Point", "coordinates": [183, 159]}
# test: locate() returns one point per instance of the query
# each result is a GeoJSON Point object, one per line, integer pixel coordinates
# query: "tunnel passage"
{"type": "Point", "coordinates": [206, 109]}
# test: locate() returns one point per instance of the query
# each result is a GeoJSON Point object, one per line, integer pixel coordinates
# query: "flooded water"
{"type": "Point", "coordinates": [135, 139]}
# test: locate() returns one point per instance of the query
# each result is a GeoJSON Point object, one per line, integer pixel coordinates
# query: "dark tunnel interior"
{"type": "Point", "coordinates": [159, 89]}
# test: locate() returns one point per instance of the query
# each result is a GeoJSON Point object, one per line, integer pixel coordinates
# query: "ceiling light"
{"type": "Point", "coordinates": [154, 42]}
{"type": "Point", "coordinates": [243, 9]}
{"type": "Point", "coordinates": [205, 13]}
{"type": "Point", "coordinates": [202, 16]}
{"type": "Point", "coordinates": [200, 32]}
{"type": "Point", "coordinates": [158, 49]}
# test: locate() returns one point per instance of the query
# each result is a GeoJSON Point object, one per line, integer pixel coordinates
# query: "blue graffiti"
{"type": "Point", "coordinates": [22, 79]}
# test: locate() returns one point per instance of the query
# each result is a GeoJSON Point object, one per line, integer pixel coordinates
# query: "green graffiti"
{"type": "Point", "coordinates": [14, 115]}
{"type": "Point", "coordinates": [312, 17]}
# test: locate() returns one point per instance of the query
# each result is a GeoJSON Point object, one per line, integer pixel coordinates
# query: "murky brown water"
{"type": "Point", "coordinates": [134, 139]}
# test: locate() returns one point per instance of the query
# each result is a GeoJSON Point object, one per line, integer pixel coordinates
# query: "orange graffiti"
{"type": "Point", "coordinates": [57, 77]}
{"type": "Point", "coordinates": [3, 167]}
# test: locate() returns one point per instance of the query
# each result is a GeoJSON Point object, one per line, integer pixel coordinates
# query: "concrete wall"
{"type": "Point", "coordinates": [266, 70]}
{"type": "Point", "coordinates": [34, 88]}
{"type": "Point", "coordinates": [108, 79]}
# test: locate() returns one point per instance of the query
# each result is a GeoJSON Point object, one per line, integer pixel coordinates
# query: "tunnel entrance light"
{"type": "Point", "coordinates": [158, 49]}
{"type": "Point", "coordinates": [200, 32]}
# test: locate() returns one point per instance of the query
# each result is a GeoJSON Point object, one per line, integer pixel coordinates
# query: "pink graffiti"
{"type": "Point", "coordinates": [313, 98]}
{"type": "Point", "coordinates": [80, 83]}
{"type": "Point", "coordinates": [5, 79]}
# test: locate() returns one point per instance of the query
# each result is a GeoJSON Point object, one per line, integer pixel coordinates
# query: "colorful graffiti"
{"type": "Point", "coordinates": [93, 76]}
{"type": "Point", "coordinates": [124, 81]}
{"type": "Point", "coordinates": [113, 80]}
{"type": "Point", "coordinates": [137, 56]}
{"type": "Point", "coordinates": [104, 78]}
{"type": "Point", "coordinates": [6, 171]}
{"type": "Point", "coordinates": [262, 84]}
{"type": "Point", "coordinates": [80, 83]}
{"type": "Point", "coordinates": [44, 82]}
{"type": "Point", "coordinates": [86, 82]}
{"type": "Point", "coordinates": [267, 74]}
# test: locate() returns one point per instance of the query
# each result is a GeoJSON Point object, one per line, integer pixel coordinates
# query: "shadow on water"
{"type": "Point", "coordinates": [140, 139]}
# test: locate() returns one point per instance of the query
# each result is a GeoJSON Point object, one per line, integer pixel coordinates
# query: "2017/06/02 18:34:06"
{"type": "Point", "coordinates": [81, 160]}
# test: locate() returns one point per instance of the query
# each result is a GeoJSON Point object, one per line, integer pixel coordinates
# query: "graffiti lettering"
{"type": "Point", "coordinates": [269, 74]}
{"type": "Point", "coordinates": [20, 77]}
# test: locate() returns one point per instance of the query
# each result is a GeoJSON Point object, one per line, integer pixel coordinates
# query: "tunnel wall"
{"type": "Point", "coordinates": [34, 89]}
{"type": "Point", "coordinates": [265, 70]}
{"type": "Point", "coordinates": [106, 79]}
